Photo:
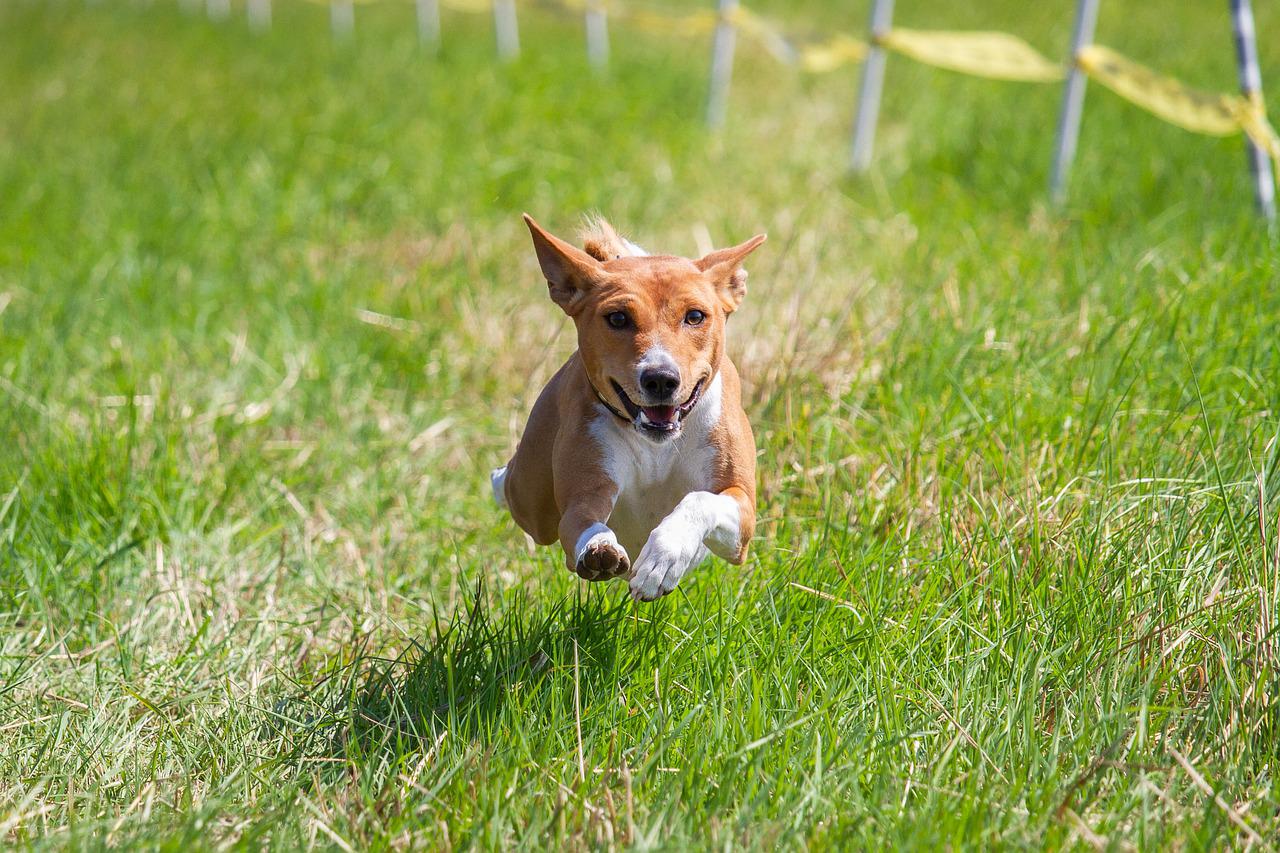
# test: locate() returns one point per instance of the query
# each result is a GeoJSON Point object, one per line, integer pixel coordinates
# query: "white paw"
{"type": "Point", "coordinates": [663, 561]}
{"type": "Point", "coordinates": [598, 555]}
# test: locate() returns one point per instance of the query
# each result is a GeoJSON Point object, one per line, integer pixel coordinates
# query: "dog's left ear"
{"type": "Point", "coordinates": [724, 268]}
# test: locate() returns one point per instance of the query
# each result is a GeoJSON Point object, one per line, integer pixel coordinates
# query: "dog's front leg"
{"type": "Point", "coordinates": [591, 549]}
{"type": "Point", "coordinates": [719, 522]}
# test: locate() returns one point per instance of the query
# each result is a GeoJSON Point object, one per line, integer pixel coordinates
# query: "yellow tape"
{"type": "Point", "coordinates": [835, 52]}
{"type": "Point", "coordinates": [769, 36]}
{"type": "Point", "coordinates": [479, 7]}
{"type": "Point", "coordinates": [328, 3]}
{"type": "Point", "coordinates": [984, 54]}
{"type": "Point", "coordinates": [694, 24]}
{"type": "Point", "coordinates": [1210, 113]}
{"type": "Point", "coordinates": [1176, 103]}
{"type": "Point", "coordinates": [1253, 120]}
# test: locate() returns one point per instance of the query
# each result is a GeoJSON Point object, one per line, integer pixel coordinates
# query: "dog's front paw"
{"type": "Point", "coordinates": [663, 561]}
{"type": "Point", "coordinates": [601, 558]}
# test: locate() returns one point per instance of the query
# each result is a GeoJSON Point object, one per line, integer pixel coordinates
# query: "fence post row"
{"type": "Point", "coordinates": [864, 122]}
{"type": "Point", "coordinates": [506, 29]}
{"type": "Point", "coordinates": [721, 64]}
{"type": "Point", "coordinates": [597, 24]}
{"type": "Point", "coordinates": [429, 23]}
{"type": "Point", "coordinates": [507, 33]}
{"type": "Point", "coordinates": [1264, 184]}
{"type": "Point", "coordinates": [259, 14]}
{"type": "Point", "coordinates": [1072, 101]}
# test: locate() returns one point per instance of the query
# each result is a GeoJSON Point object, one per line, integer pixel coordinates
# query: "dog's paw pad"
{"type": "Point", "coordinates": [602, 560]}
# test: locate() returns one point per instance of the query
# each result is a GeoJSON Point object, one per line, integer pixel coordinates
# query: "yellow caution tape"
{"type": "Point", "coordinates": [1210, 113]}
{"type": "Point", "coordinates": [479, 7]}
{"type": "Point", "coordinates": [995, 55]}
{"type": "Point", "coordinates": [984, 54]}
{"type": "Point", "coordinates": [352, 2]}
{"type": "Point", "coordinates": [769, 36]}
{"type": "Point", "coordinates": [694, 24]}
{"type": "Point", "coordinates": [835, 52]}
{"type": "Point", "coordinates": [1176, 103]}
{"type": "Point", "coordinates": [1253, 120]}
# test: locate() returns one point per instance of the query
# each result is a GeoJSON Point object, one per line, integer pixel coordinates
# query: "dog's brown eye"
{"type": "Point", "coordinates": [695, 317]}
{"type": "Point", "coordinates": [617, 320]}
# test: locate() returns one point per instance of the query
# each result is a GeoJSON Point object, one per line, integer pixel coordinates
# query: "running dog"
{"type": "Point", "coordinates": [639, 443]}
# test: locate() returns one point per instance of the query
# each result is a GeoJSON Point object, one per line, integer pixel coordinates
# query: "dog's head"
{"type": "Point", "coordinates": [650, 327]}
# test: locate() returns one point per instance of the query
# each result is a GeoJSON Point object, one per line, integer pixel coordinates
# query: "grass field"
{"type": "Point", "coordinates": [268, 315]}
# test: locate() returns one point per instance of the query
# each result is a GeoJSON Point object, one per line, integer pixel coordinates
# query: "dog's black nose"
{"type": "Point", "coordinates": [659, 384]}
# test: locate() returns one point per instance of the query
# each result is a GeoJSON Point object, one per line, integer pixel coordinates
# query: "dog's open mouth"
{"type": "Point", "coordinates": [659, 419]}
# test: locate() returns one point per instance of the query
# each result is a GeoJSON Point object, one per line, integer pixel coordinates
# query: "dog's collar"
{"type": "Point", "coordinates": [612, 408]}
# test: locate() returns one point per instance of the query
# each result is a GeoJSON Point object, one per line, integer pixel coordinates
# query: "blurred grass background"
{"type": "Point", "coordinates": [268, 315]}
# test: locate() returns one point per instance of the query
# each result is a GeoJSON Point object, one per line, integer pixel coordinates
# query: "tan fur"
{"type": "Point", "coordinates": [601, 241]}
{"type": "Point", "coordinates": [558, 483]}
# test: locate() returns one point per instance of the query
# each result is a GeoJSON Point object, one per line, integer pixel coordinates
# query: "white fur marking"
{"type": "Point", "coordinates": [655, 357]}
{"type": "Point", "coordinates": [665, 510]}
{"type": "Point", "coordinates": [701, 521]}
{"type": "Point", "coordinates": [652, 477]}
{"type": "Point", "coordinates": [593, 535]}
{"type": "Point", "coordinates": [498, 482]}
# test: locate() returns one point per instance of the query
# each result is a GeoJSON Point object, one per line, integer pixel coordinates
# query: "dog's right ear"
{"type": "Point", "coordinates": [570, 272]}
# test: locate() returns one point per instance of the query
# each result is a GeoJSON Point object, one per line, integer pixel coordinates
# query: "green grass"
{"type": "Point", "coordinates": [1018, 467]}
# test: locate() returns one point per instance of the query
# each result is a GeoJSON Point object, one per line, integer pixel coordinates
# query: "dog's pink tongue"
{"type": "Point", "coordinates": [660, 414]}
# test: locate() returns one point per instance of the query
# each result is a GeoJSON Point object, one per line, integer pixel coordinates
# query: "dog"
{"type": "Point", "coordinates": [639, 443]}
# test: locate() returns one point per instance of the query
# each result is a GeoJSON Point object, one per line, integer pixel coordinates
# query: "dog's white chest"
{"type": "Point", "coordinates": [653, 477]}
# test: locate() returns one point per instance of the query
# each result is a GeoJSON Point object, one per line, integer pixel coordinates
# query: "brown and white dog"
{"type": "Point", "coordinates": [638, 444]}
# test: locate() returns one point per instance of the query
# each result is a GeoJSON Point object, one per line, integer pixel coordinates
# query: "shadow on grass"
{"type": "Point", "coordinates": [463, 680]}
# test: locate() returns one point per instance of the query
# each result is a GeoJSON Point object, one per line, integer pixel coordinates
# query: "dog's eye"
{"type": "Point", "coordinates": [695, 317]}
{"type": "Point", "coordinates": [617, 320]}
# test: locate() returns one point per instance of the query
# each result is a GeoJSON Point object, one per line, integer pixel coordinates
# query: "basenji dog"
{"type": "Point", "coordinates": [639, 443]}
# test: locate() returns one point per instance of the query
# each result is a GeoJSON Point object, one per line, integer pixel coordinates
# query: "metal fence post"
{"type": "Point", "coordinates": [597, 23]}
{"type": "Point", "coordinates": [506, 29]}
{"type": "Point", "coordinates": [721, 64]}
{"type": "Point", "coordinates": [259, 13]}
{"type": "Point", "coordinates": [429, 23]}
{"type": "Point", "coordinates": [1072, 101]}
{"type": "Point", "coordinates": [342, 18]}
{"type": "Point", "coordinates": [864, 122]}
{"type": "Point", "coordinates": [1264, 183]}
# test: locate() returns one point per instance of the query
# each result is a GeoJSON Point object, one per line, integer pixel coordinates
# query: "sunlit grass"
{"type": "Point", "coordinates": [268, 315]}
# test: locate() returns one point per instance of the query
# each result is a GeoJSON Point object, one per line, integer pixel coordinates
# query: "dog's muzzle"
{"type": "Point", "coordinates": [659, 421]}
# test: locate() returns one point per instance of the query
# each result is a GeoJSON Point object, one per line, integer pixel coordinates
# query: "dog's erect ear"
{"type": "Point", "coordinates": [724, 268]}
{"type": "Point", "coordinates": [570, 272]}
